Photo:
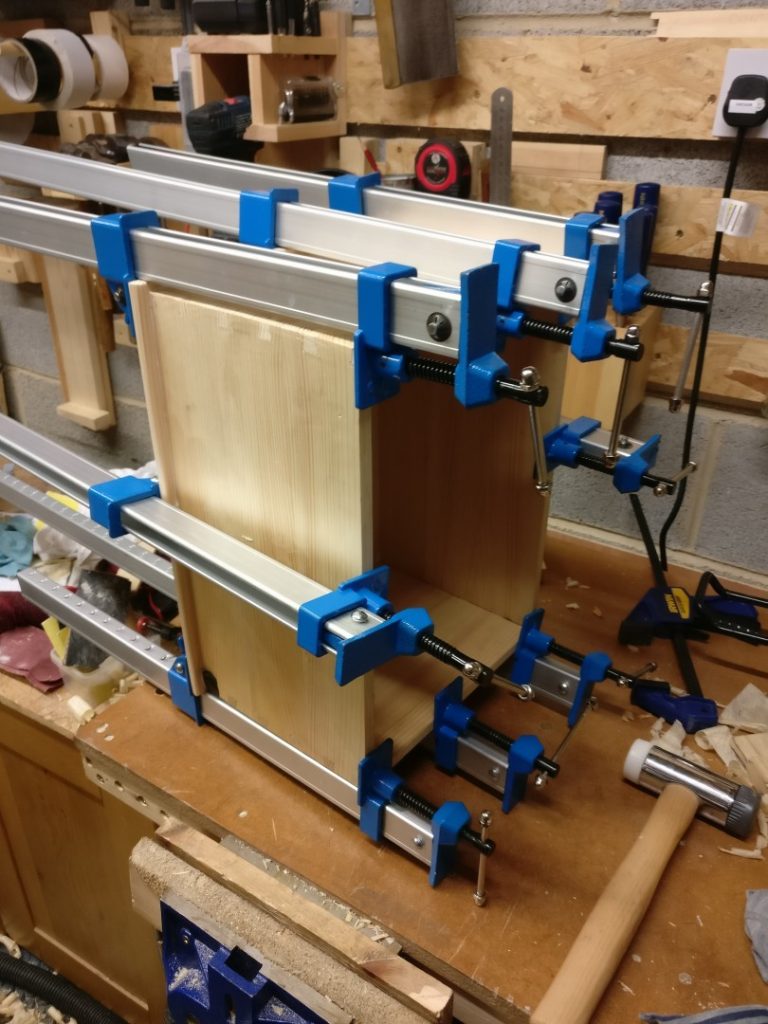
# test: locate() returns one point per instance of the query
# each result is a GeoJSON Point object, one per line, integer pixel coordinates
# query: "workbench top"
{"type": "Point", "coordinates": [555, 852]}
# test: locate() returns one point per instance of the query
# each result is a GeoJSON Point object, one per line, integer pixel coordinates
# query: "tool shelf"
{"type": "Point", "coordinates": [257, 65]}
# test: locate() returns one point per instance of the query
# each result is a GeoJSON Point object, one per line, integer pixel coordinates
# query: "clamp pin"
{"type": "Point", "coordinates": [529, 378]}
{"type": "Point", "coordinates": [480, 895]}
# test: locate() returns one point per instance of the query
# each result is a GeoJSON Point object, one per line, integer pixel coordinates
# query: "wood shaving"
{"type": "Point", "coordinates": [746, 854]}
{"type": "Point", "coordinates": [626, 988]}
{"type": "Point", "coordinates": [570, 583]}
{"type": "Point", "coordinates": [584, 586]}
{"type": "Point", "coordinates": [628, 716]}
{"type": "Point", "coordinates": [573, 605]}
{"type": "Point", "coordinates": [633, 648]}
{"type": "Point", "coordinates": [598, 612]}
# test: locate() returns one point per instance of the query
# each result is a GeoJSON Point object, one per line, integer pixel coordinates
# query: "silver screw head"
{"type": "Point", "coordinates": [494, 773]}
{"type": "Point", "coordinates": [486, 819]}
{"type": "Point", "coordinates": [359, 615]}
{"type": "Point", "coordinates": [418, 841]}
{"type": "Point", "coordinates": [439, 327]}
{"type": "Point", "coordinates": [529, 376]}
{"type": "Point", "coordinates": [564, 686]}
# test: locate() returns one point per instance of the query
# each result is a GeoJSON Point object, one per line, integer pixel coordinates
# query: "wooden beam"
{"type": "Point", "coordinates": [571, 85]}
{"type": "Point", "coordinates": [744, 22]}
{"type": "Point", "coordinates": [735, 371]}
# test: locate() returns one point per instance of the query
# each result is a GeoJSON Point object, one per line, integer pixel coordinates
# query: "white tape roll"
{"type": "Point", "coordinates": [16, 127]}
{"type": "Point", "coordinates": [18, 74]}
{"type": "Point", "coordinates": [111, 67]}
{"type": "Point", "coordinates": [78, 79]}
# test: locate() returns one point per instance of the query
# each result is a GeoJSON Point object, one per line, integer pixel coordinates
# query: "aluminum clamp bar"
{"type": "Point", "coordinates": [401, 827]}
{"type": "Point", "coordinates": [317, 291]}
{"type": "Point", "coordinates": [435, 213]}
{"type": "Point", "coordinates": [268, 585]}
{"type": "Point", "coordinates": [438, 256]}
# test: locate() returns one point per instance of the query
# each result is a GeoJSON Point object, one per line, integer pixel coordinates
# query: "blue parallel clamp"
{"type": "Point", "coordinates": [479, 365]}
{"type": "Point", "coordinates": [630, 470]}
{"type": "Point", "coordinates": [591, 331]}
{"type": "Point", "coordinates": [453, 719]}
{"type": "Point", "coordinates": [114, 252]}
{"type": "Point", "coordinates": [693, 712]}
{"type": "Point", "coordinates": [399, 634]}
{"type": "Point", "coordinates": [507, 253]}
{"type": "Point", "coordinates": [258, 215]}
{"type": "Point", "coordinates": [346, 193]}
{"type": "Point", "coordinates": [105, 500]}
{"type": "Point", "coordinates": [210, 983]}
{"type": "Point", "coordinates": [379, 363]}
{"type": "Point", "coordinates": [378, 785]}
{"type": "Point", "coordinates": [578, 234]}
{"type": "Point", "coordinates": [630, 282]}
{"type": "Point", "coordinates": [181, 687]}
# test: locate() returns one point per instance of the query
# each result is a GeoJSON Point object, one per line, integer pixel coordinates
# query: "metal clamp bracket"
{"type": "Point", "coordinates": [591, 331]}
{"type": "Point", "coordinates": [181, 687]}
{"type": "Point", "coordinates": [209, 982]}
{"type": "Point", "coordinates": [105, 500]}
{"type": "Point", "coordinates": [346, 193]}
{"type": "Point", "coordinates": [398, 634]}
{"type": "Point", "coordinates": [630, 282]}
{"type": "Point", "coordinates": [379, 363]}
{"type": "Point", "coordinates": [378, 785]}
{"type": "Point", "coordinates": [114, 252]}
{"type": "Point", "coordinates": [258, 215]}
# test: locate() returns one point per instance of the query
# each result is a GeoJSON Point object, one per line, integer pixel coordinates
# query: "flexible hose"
{"type": "Point", "coordinates": [66, 997]}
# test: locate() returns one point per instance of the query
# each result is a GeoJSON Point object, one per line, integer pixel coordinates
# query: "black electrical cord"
{"type": "Point", "coordinates": [693, 401]}
{"type": "Point", "coordinates": [54, 989]}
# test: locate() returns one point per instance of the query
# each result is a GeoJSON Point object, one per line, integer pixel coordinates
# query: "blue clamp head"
{"type": "Point", "coordinates": [591, 331]}
{"type": "Point", "coordinates": [114, 252]}
{"type": "Point", "coordinates": [578, 234]}
{"type": "Point", "coordinates": [447, 823]}
{"type": "Point", "coordinates": [593, 669]}
{"type": "Point", "coordinates": [346, 193]}
{"type": "Point", "coordinates": [630, 469]}
{"type": "Point", "coordinates": [522, 758]}
{"type": "Point", "coordinates": [373, 645]}
{"type": "Point", "coordinates": [532, 643]}
{"type": "Point", "coordinates": [562, 445]}
{"type": "Point", "coordinates": [478, 366]}
{"type": "Point", "coordinates": [630, 283]}
{"type": "Point", "coordinates": [258, 215]}
{"type": "Point", "coordinates": [508, 254]}
{"type": "Point", "coordinates": [379, 363]}
{"type": "Point", "coordinates": [693, 712]}
{"type": "Point", "coordinates": [181, 687]}
{"type": "Point", "coordinates": [452, 719]}
{"type": "Point", "coordinates": [377, 784]}
{"type": "Point", "coordinates": [105, 500]}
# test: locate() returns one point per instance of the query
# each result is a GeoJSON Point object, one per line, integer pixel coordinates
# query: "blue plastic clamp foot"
{"type": "Point", "coordinates": [693, 712]}
{"type": "Point", "coordinates": [181, 687]}
{"type": "Point", "coordinates": [532, 643]}
{"type": "Point", "coordinates": [591, 331]}
{"type": "Point", "coordinates": [114, 252]}
{"type": "Point", "coordinates": [373, 646]}
{"type": "Point", "coordinates": [630, 469]}
{"type": "Point", "coordinates": [452, 720]}
{"type": "Point", "coordinates": [630, 282]}
{"type": "Point", "coordinates": [562, 444]}
{"type": "Point", "coordinates": [258, 215]}
{"type": "Point", "coordinates": [107, 499]}
{"type": "Point", "coordinates": [521, 761]}
{"type": "Point", "coordinates": [379, 363]}
{"type": "Point", "coordinates": [578, 234]}
{"type": "Point", "coordinates": [479, 365]}
{"type": "Point", "coordinates": [592, 671]}
{"type": "Point", "coordinates": [346, 193]}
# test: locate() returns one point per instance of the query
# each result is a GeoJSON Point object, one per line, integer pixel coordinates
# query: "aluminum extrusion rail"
{"type": "Point", "coordinates": [311, 230]}
{"type": "Point", "coordinates": [401, 827]}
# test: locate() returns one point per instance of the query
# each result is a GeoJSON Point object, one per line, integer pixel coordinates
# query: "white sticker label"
{"type": "Point", "coordinates": [746, 106]}
{"type": "Point", "coordinates": [737, 217]}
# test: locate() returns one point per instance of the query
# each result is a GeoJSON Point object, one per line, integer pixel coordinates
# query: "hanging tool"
{"type": "Point", "coordinates": [686, 790]}
{"type": "Point", "coordinates": [443, 167]}
{"type": "Point", "coordinates": [500, 163]}
{"type": "Point", "coordinates": [218, 127]}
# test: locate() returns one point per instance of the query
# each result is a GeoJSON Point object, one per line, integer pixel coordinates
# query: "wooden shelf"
{"type": "Point", "coordinates": [296, 132]}
{"type": "Point", "coordinates": [320, 46]}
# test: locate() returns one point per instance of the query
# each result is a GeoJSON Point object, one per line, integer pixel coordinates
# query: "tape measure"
{"type": "Point", "coordinates": [443, 167]}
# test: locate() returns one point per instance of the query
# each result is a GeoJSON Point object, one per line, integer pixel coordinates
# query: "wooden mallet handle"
{"type": "Point", "coordinates": [605, 935]}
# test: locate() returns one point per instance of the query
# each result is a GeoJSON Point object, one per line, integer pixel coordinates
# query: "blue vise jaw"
{"type": "Point", "coordinates": [564, 444]}
{"type": "Point", "coordinates": [378, 785]}
{"type": "Point", "coordinates": [453, 722]}
{"type": "Point", "coordinates": [377, 634]}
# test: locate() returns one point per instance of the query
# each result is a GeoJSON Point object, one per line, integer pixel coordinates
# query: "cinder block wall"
{"type": "Point", "coordinates": [725, 510]}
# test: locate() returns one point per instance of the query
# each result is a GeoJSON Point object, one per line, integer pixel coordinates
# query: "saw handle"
{"type": "Point", "coordinates": [605, 936]}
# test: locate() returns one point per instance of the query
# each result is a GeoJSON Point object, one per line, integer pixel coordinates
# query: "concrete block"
{"type": "Point", "coordinates": [733, 525]}
{"type": "Point", "coordinates": [585, 496]}
{"type": "Point", "coordinates": [25, 337]}
{"type": "Point", "coordinates": [33, 400]}
{"type": "Point", "coordinates": [125, 373]}
{"type": "Point", "coordinates": [634, 6]}
{"type": "Point", "coordinates": [475, 8]}
{"type": "Point", "coordinates": [681, 162]}
{"type": "Point", "coordinates": [740, 302]}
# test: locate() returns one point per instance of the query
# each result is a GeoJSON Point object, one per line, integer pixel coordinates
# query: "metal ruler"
{"type": "Point", "coordinates": [500, 173]}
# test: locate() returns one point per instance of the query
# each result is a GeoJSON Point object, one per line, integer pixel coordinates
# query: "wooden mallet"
{"type": "Point", "coordinates": [687, 790]}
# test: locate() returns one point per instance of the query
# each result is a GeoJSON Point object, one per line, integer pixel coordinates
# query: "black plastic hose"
{"type": "Point", "coordinates": [66, 997]}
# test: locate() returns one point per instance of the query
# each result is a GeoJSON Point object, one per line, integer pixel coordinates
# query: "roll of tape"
{"type": "Point", "coordinates": [29, 71]}
{"type": "Point", "coordinates": [16, 127]}
{"type": "Point", "coordinates": [111, 67]}
{"type": "Point", "coordinates": [78, 79]}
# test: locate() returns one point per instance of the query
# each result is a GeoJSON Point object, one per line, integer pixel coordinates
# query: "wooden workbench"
{"type": "Point", "coordinates": [555, 852]}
